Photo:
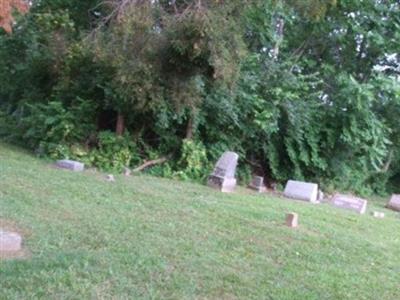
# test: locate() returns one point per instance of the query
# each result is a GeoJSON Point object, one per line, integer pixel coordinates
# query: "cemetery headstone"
{"type": "Point", "coordinates": [10, 241]}
{"type": "Point", "coordinates": [70, 165]}
{"type": "Point", "coordinates": [257, 184]}
{"type": "Point", "coordinates": [350, 203]}
{"type": "Point", "coordinates": [292, 220]}
{"type": "Point", "coordinates": [110, 178]}
{"type": "Point", "coordinates": [301, 191]}
{"type": "Point", "coordinates": [394, 203]}
{"type": "Point", "coordinates": [223, 176]}
{"type": "Point", "coordinates": [379, 215]}
{"type": "Point", "coordinates": [127, 171]}
{"type": "Point", "coordinates": [321, 196]}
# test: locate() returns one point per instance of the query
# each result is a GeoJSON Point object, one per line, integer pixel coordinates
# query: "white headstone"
{"type": "Point", "coordinates": [10, 241]}
{"type": "Point", "coordinates": [110, 178]}
{"type": "Point", "coordinates": [394, 202]}
{"type": "Point", "coordinates": [127, 171]}
{"type": "Point", "coordinates": [301, 191]}
{"type": "Point", "coordinates": [70, 165]}
{"type": "Point", "coordinates": [223, 176]}
{"type": "Point", "coordinates": [379, 215]}
{"type": "Point", "coordinates": [350, 203]}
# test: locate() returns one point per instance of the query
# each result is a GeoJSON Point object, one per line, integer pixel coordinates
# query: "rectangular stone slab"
{"type": "Point", "coordinates": [358, 205]}
{"type": "Point", "coordinates": [394, 203]}
{"type": "Point", "coordinates": [301, 191]}
{"type": "Point", "coordinates": [225, 185]}
{"type": "Point", "coordinates": [257, 184]}
{"type": "Point", "coordinates": [70, 165]}
{"type": "Point", "coordinates": [10, 241]}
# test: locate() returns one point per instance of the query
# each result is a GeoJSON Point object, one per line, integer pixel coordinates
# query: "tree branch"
{"type": "Point", "coordinates": [150, 163]}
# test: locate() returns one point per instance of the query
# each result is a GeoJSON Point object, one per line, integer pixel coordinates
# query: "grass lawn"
{"type": "Point", "coordinates": [151, 238]}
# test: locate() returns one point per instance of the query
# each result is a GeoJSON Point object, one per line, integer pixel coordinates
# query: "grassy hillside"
{"type": "Point", "coordinates": [151, 238]}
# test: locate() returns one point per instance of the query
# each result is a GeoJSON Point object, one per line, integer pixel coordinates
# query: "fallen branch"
{"type": "Point", "coordinates": [150, 163]}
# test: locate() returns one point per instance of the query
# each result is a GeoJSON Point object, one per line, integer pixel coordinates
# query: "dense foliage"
{"type": "Point", "coordinates": [300, 89]}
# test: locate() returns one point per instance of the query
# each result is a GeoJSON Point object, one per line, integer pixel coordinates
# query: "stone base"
{"type": "Point", "coordinates": [260, 189]}
{"type": "Point", "coordinates": [225, 185]}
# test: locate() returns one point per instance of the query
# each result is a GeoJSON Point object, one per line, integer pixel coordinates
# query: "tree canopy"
{"type": "Point", "coordinates": [300, 89]}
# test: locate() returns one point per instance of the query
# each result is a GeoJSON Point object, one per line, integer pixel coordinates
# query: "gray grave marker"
{"type": "Point", "coordinates": [350, 203]}
{"type": "Point", "coordinates": [223, 177]}
{"type": "Point", "coordinates": [394, 203]}
{"type": "Point", "coordinates": [257, 184]}
{"type": "Point", "coordinates": [10, 241]}
{"type": "Point", "coordinates": [301, 191]}
{"type": "Point", "coordinates": [70, 165]}
{"type": "Point", "coordinates": [292, 220]}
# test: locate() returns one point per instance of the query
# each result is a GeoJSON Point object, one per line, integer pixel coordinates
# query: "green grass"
{"type": "Point", "coordinates": [151, 238]}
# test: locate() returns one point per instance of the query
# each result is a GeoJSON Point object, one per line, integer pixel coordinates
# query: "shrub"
{"type": "Point", "coordinates": [114, 152]}
{"type": "Point", "coordinates": [193, 163]}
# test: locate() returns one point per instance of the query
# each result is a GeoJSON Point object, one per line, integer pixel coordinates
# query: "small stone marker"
{"type": "Point", "coordinates": [379, 215]}
{"type": "Point", "coordinates": [70, 165]}
{"type": "Point", "coordinates": [10, 241]}
{"type": "Point", "coordinates": [301, 191]}
{"type": "Point", "coordinates": [292, 220]}
{"type": "Point", "coordinates": [394, 203]}
{"type": "Point", "coordinates": [321, 196]}
{"type": "Point", "coordinates": [257, 184]}
{"type": "Point", "coordinates": [127, 171]}
{"type": "Point", "coordinates": [223, 176]}
{"type": "Point", "coordinates": [350, 203]}
{"type": "Point", "coordinates": [110, 178]}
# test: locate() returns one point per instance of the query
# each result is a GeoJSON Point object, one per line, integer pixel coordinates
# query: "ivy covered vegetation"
{"type": "Point", "coordinates": [300, 89]}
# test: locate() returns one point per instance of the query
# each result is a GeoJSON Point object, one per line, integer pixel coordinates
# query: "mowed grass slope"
{"type": "Point", "coordinates": [151, 238]}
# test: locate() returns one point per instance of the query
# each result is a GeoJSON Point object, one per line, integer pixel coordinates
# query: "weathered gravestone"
{"type": "Point", "coordinates": [394, 203]}
{"type": "Point", "coordinates": [301, 191]}
{"type": "Point", "coordinates": [223, 176]}
{"type": "Point", "coordinates": [10, 241]}
{"type": "Point", "coordinates": [127, 171]}
{"type": "Point", "coordinates": [292, 220]}
{"type": "Point", "coordinates": [70, 165]}
{"type": "Point", "coordinates": [110, 178]}
{"type": "Point", "coordinates": [350, 203]}
{"type": "Point", "coordinates": [379, 215]}
{"type": "Point", "coordinates": [257, 184]}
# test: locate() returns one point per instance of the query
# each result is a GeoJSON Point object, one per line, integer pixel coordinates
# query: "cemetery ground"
{"type": "Point", "coordinates": [145, 237]}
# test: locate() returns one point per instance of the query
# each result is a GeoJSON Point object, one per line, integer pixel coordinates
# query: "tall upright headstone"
{"type": "Point", "coordinates": [223, 176]}
{"type": "Point", "coordinates": [394, 203]}
{"type": "Point", "coordinates": [350, 203]}
{"type": "Point", "coordinates": [301, 191]}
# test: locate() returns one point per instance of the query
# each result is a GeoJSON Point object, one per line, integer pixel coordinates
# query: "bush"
{"type": "Point", "coordinates": [114, 152]}
{"type": "Point", "coordinates": [193, 163]}
{"type": "Point", "coordinates": [51, 128]}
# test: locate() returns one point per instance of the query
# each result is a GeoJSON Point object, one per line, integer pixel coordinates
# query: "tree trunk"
{"type": "Point", "coordinates": [189, 128]}
{"type": "Point", "coordinates": [120, 127]}
{"type": "Point", "coordinates": [280, 23]}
